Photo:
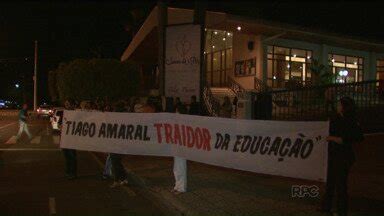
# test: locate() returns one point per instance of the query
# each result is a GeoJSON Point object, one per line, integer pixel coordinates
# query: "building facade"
{"type": "Point", "coordinates": [251, 51]}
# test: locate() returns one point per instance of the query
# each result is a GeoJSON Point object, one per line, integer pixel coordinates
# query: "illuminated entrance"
{"type": "Point", "coordinates": [218, 56]}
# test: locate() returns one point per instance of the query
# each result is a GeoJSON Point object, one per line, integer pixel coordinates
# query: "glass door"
{"type": "Point", "coordinates": [218, 56]}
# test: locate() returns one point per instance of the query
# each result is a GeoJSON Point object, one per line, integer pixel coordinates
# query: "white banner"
{"type": "Point", "coordinates": [182, 61]}
{"type": "Point", "coordinates": [283, 148]}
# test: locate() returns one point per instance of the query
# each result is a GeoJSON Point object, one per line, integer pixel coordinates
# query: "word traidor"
{"type": "Point", "coordinates": [199, 138]}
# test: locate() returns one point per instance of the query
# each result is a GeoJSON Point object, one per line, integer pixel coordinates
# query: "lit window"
{"type": "Point", "coordinates": [288, 64]}
{"type": "Point", "coordinates": [380, 69]}
{"type": "Point", "coordinates": [347, 68]}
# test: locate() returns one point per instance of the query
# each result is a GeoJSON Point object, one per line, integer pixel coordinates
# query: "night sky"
{"type": "Point", "coordinates": [66, 31]}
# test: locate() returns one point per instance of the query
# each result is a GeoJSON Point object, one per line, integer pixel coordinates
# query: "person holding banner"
{"type": "Point", "coordinates": [180, 164]}
{"type": "Point", "coordinates": [118, 171]}
{"type": "Point", "coordinates": [69, 154]}
{"type": "Point", "coordinates": [107, 172]}
{"type": "Point", "coordinates": [344, 133]}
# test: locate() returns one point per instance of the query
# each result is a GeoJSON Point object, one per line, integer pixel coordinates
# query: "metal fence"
{"type": "Point", "coordinates": [211, 104]}
{"type": "Point", "coordinates": [317, 102]}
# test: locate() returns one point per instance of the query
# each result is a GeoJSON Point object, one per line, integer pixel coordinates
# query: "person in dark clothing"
{"type": "Point", "coordinates": [159, 104]}
{"type": "Point", "coordinates": [194, 107]}
{"type": "Point", "coordinates": [226, 108]}
{"type": "Point", "coordinates": [344, 132]}
{"type": "Point", "coordinates": [69, 154]}
{"type": "Point", "coordinates": [107, 172]}
{"type": "Point", "coordinates": [181, 108]}
{"type": "Point", "coordinates": [155, 102]}
{"type": "Point", "coordinates": [118, 171]}
{"type": "Point", "coordinates": [177, 102]}
{"type": "Point", "coordinates": [169, 105]}
{"type": "Point", "coordinates": [234, 104]}
{"type": "Point", "coordinates": [70, 163]}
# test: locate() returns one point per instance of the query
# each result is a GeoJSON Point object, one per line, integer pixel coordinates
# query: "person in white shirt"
{"type": "Point", "coordinates": [180, 164]}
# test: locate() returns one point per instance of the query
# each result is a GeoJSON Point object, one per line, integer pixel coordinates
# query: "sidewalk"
{"type": "Point", "coordinates": [220, 191]}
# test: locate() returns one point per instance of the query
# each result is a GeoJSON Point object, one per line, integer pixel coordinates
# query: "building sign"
{"type": "Point", "coordinates": [182, 61]}
{"type": "Point", "coordinates": [283, 148]}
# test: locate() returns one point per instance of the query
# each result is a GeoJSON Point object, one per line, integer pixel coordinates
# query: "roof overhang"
{"type": "Point", "coordinates": [147, 27]}
{"type": "Point", "coordinates": [175, 16]}
{"type": "Point", "coordinates": [263, 27]}
{"type": "Point", "coordinates": [227, 22]}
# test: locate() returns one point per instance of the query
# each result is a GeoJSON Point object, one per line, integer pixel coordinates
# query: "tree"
{"type": "Point", "coordinates": [83, 79]}
{"type": "Point", "coordinates": [322, 74]}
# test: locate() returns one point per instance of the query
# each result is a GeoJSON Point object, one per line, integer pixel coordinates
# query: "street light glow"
{"type": "Point", "coordinates": [343, 73]}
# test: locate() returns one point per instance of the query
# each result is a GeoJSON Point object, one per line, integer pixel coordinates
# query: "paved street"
{"type": "Point", "coordinates": [32, 180]}
{"type": "Point", "coordinates": [219, 191]}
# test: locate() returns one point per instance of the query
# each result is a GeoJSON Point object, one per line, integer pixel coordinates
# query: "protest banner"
{"type": "Point", "coordinates": [283, 148]}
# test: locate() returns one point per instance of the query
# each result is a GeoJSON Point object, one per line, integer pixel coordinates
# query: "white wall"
{"type": "Point", "coordinates": [240, 52]}
{"type": "Point", "coordinates": [179, 16]}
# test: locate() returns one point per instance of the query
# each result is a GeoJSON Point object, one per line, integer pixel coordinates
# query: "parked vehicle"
{"type": "Point", "coordinates": [2, 104]}
{"type": "Point", "coordinates": [56, 117]}
{"type": "Point", "coordinates": [44, 111]}
{"type": "Point", "coordinates": [5, 104]}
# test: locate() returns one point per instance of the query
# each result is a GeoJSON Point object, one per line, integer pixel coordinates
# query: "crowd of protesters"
{"type": "Point", "coordinates": [344, 133]}
{"type": "Point", "coordinates": [113, 165]}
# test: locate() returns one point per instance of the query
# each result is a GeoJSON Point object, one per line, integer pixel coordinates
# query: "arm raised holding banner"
{"type": "Point", "coordinates": [344, 132]}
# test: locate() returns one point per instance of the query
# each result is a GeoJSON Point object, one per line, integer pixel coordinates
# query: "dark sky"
{"type": "Point", "coordinates": [94, 29]}
{"type": "Point", "coordinates": [65, 31]}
